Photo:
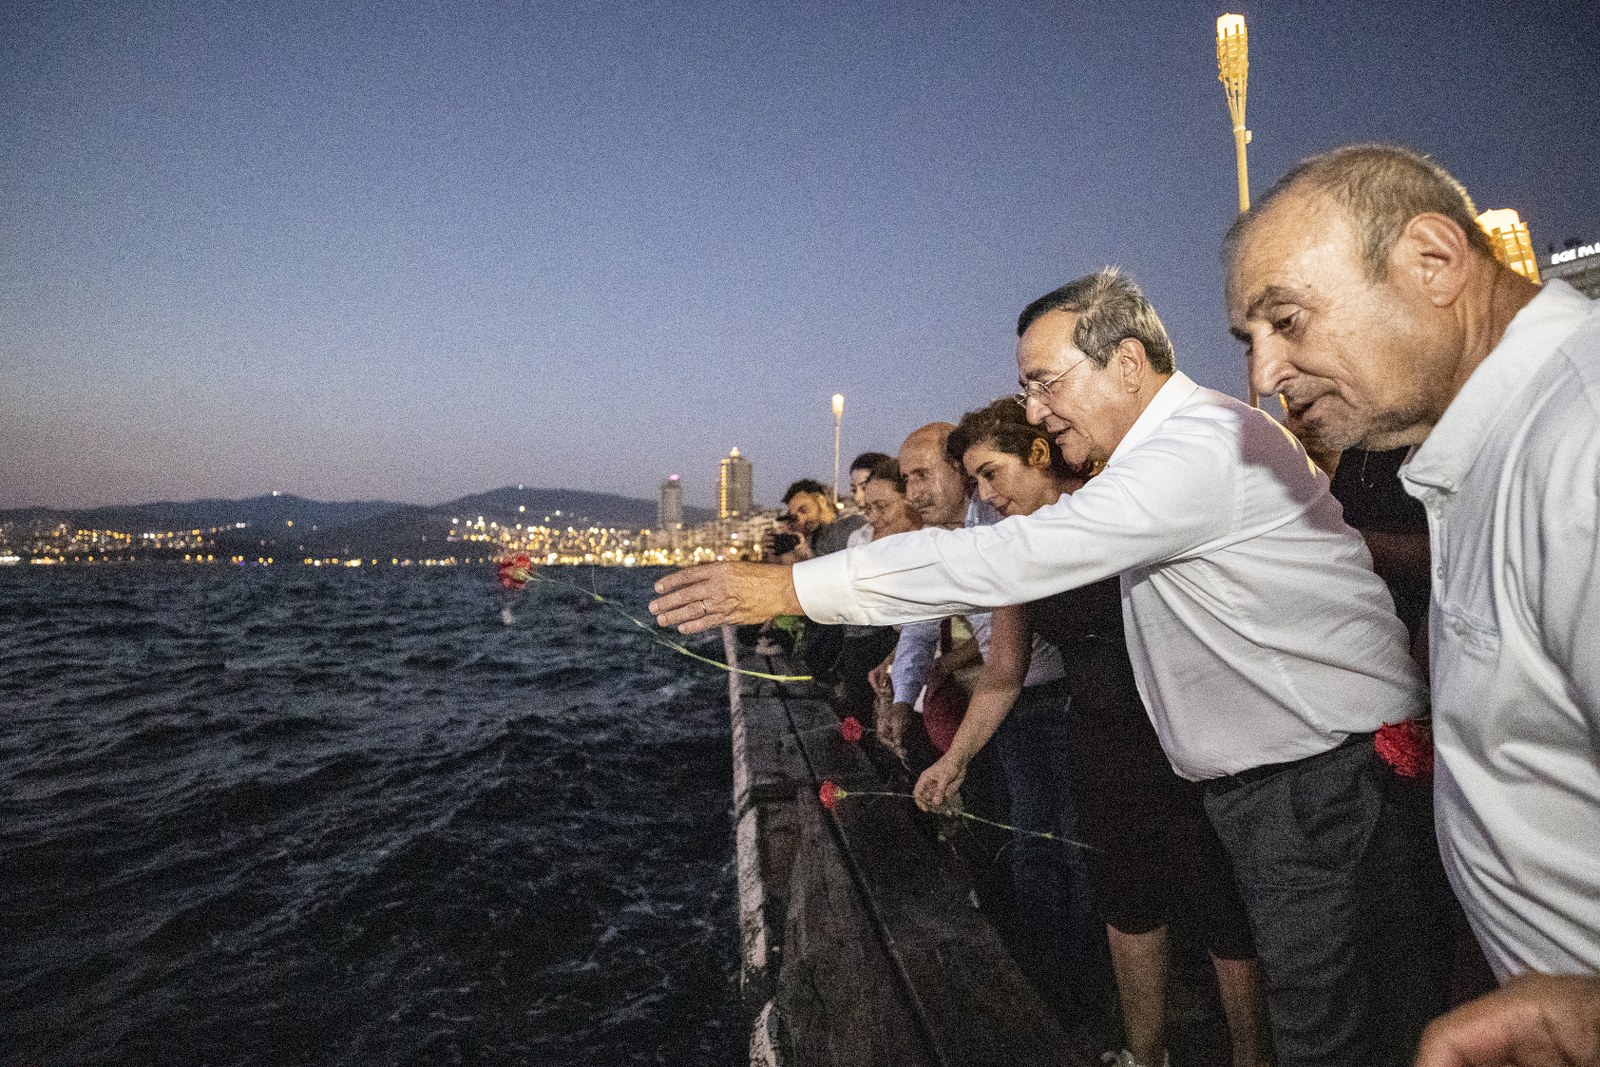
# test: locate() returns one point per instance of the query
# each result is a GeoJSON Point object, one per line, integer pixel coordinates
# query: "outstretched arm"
{"type": "Point", "coordinates": [999, 683]}
{"type": "Point", "coordinates": [713, 594]}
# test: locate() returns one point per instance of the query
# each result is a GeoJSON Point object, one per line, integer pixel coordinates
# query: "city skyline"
{"type": "Point", "coordinates": [407, 252]}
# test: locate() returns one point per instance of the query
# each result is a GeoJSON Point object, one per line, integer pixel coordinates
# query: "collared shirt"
{"type": "Point", "coordinates": [1510, 478]}
{"type": "Point", "coordinates": [1257, 629]}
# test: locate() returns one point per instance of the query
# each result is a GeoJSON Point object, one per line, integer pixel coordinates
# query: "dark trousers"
{"type": "Point", "coordinates": [1339, 874]}
{"type": "Point", "coordinates": [1060, 938]}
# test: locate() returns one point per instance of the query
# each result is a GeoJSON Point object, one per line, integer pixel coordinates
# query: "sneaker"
{"type": "Point", "coordinates": [1125, 1058]}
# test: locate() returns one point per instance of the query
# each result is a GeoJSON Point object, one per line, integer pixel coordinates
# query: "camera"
{"type": "Point", "coordinates": [784, 542]}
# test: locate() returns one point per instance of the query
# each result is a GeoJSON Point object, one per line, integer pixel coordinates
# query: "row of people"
{"type": "Point", "coordinates": [1265, 649]}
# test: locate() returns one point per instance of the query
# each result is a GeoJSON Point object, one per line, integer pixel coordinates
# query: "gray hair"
{"type": "Point", "coordinates": [1380, 188]}
{"type": "Point", "coordinates": [1110, 308]}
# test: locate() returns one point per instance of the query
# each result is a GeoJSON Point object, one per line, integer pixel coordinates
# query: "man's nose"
{"type": "Point", "coordinates": [1034, 409]}
{"type": "Point", "coordinates": [1269, 369]}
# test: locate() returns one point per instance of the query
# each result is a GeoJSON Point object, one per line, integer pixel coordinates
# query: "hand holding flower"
{"type": "Point", "coordinates": [939, 783]}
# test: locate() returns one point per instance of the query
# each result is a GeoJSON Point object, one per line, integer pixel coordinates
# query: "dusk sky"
{"type": "Point", "coordinates": [416, 250]}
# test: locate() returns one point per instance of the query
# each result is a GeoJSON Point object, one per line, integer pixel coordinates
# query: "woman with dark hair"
{"type": "Point", "coordinates": [883, 501]}
{"type": "Point", "coordinates": [1152, 854]}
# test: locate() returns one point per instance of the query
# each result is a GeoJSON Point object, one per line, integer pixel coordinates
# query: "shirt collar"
{"type": "Point", "coordinates": [1532, 337]}
{"type": "Point", "coordinates": [1168, 399]}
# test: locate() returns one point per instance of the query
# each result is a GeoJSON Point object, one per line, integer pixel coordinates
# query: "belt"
{"type": "Point", "coordinates": [1227, 783]}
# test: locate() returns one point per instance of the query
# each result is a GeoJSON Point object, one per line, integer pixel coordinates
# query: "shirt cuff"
{"type": "Point", "coordinates": [823, 588]}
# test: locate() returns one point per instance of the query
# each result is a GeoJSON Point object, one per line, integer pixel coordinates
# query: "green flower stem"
{"type": "Point", "coordinates": [675, 646]}
{"type": "Point", "coordinates": [845, 794]}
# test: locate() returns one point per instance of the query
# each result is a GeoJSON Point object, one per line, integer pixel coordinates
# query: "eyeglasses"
{"type": "Point", "coordinates": [1040, 391]}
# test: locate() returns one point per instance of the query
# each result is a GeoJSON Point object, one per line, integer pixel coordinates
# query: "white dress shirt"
{"type": "Point", "coordinates": [1257, 629]}
{"type": "Point", "coordinates": [1511, 480]}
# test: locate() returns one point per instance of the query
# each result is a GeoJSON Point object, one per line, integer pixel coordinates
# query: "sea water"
{"type": "Point", "coordinates": [290, 815]}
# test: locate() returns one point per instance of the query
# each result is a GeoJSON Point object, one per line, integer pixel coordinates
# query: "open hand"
{"type": "Point", "coordinates": [702, 598]}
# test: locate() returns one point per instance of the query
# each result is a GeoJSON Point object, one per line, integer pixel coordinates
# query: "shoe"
{"type": "Point", "coordinates": [1125, 1058]}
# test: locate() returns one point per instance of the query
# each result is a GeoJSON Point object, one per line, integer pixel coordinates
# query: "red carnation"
{"type": "Point", "coordinates": [830, 795]}
{"type": "Point", "coordinates": [515, 571]}
{"type": "Point", "coordinates": [850, 729]}
{"type": "Point", "coordinates": [1407, 747]}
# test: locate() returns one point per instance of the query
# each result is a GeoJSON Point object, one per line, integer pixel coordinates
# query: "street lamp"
{"type": "Point", "coordinates": [1233, 71]}
{"type": "Point", "coordinates": [838, 416]}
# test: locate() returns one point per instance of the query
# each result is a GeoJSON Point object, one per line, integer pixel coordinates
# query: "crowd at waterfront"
{"type": "Point", "coordinates": [1246, 750]}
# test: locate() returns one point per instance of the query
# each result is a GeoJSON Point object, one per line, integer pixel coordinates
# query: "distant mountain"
{"type": "Point", "coordinates": [257, 511]}
{"type": "Point", "coordinates": [285, 522]}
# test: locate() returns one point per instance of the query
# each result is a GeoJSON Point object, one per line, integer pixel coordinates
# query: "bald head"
{"type": "Point", "coordinates": [1376, 190]}
{"type": "Point", "coordinates": [937, 489]}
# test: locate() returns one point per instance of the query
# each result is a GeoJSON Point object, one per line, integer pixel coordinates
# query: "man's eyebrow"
{"type": "Point", "coordinates": [1272, 294]}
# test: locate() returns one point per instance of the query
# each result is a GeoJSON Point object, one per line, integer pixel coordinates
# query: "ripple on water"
{"type": "Point", "coordinates": [264, 817]}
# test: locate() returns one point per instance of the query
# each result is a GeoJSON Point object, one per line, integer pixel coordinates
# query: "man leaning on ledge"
{"type": "Point", "coordinates": [1370, 300]}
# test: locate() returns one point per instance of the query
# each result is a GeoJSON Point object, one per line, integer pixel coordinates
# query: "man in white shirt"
{"type": "Point", "coordinates": [1264, 646]}
{"type": "Point", "coordinates": [1372, 302]}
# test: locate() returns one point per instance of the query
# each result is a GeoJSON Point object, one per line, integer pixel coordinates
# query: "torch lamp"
{"type": "Point", "coordinates": [838, 417]}
{"type": "Point", "coordinates": [1233, 71]}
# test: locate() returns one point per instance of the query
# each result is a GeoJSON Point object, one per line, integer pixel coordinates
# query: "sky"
{"type": "Point", "coordinates": [410, 251]}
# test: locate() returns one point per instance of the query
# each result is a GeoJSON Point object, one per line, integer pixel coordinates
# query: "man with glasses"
{"type": "Point", "coordinates": [1265, 648]}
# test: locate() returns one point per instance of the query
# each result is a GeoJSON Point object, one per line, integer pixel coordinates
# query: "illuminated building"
{"type": "Point", "coordinates": [1577, 264]}
{"type": "Point", "coordinates": [735, 487]}
{"type": "Point", "coordinates": [669, 510]}
{"type": "Point", "coordinates": [1512, 244]}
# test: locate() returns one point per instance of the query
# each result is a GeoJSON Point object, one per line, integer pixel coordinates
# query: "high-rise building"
{"type": "Point", "coordinates": [669, 510]}
{"type": "Point", "coordinates": [735, 487]}
{"type": "Point", "coordinates": [1512, 244]}
{"type": "Point", "coordinates": [1578, 264]}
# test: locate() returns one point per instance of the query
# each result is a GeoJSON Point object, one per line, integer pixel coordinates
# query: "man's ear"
{"type": "Point", "coordinates": [1039, 453]}
{"type": "Point", "coordinates": [1131, 364]}
{"type": "Point", "coordinates": [1433, 258]}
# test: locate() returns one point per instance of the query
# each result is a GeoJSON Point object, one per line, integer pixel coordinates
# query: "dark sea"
{"type": "Point", "coordinates": [287, 815]}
